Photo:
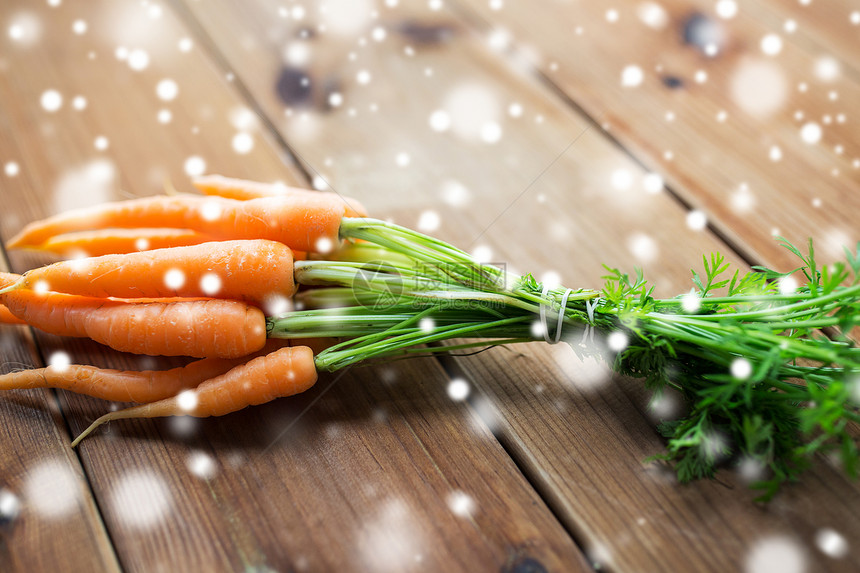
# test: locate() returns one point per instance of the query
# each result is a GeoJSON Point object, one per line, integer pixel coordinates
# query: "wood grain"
{"type": "Point", "coordinates": [47, 505]}
{"type": "Point", "coordinates": [581, 448]}
{"type": "Point", "coordinates": [713, 140]}
{"type": "Point", "coordinates": [277, 487]}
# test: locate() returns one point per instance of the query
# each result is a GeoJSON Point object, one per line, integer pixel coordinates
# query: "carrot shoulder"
{"type": "Point", "coordinates": [202, 328]}
{"type": "Point", "coordinates": [303, 223]}
{"type": "Point", "coordinates": [250, 271]}
{"type": "Point", "coordinates": [244, 190]}
{"type": "Point", "coordinates": [282, 373]}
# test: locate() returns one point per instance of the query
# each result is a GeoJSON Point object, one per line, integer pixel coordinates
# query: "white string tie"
{"type": "Point", "coordinates": [559, 318]}
{"type": "Point", "coordinates": [588, 333]}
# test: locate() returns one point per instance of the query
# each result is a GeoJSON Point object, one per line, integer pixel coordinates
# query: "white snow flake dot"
{"type": "Point", "coordinates": [51, 489]}
{"type": "Point", "coordinates": [775, 153]}
{"type": "Point", "coordinates": [11, 169]}
{"type": "Point", "coordinates": [827, 69]}
{"type": "Point", "coordinates": [855, 18]}
{"type": "Point", "coordinates": [496, 4]}
{"type": "Point", "coordinates": [402, 159]}
{"type": "Point", "coordinates": [141, 499]}
{"type": "Point", "coordinates": [378, 34]}
{"type": "Point", "coordinates": [41, 287]}
{"type": "Point", "coordinates": [811, 133]}
{"type": "Point", "coordinates": [210, 284]}
{"type": "Point", "coordinates": [455, 194]}
{"type": "Point", "coordinates": [51, 100]}
{"type": "Point", "coordinates": [164, 116]}
{"type": "Point", "coordinates": [79, 27]}
{"type": "Point", "coordinates": [643, 247]}
{"type": "Point", "coordinates": [243, 143]}
{"type": "Point", "coordinates": [138, 60]}
{"type": "Point", "coordinates": [691, 301]}
{"type": "Point", "coordinates": [515, 110]}
{"type": "Point", "coordinates": [776, 555]}
{"type": "Point", "coordinates": [741, 368]}
{"type": "Point", "coordinates": [10, 506]}
{"type": "Point", "coordinates": [195, 165]}
{"type": "Point", "coordinates": [632, 76]}
{"type": "Point", "coordinates": [482, 254]}
{"type": "Point", "coordinates": [831, 543]}
{"type": "Point", "coordinates": [461, 504]}
{"type": "Point", "coordinates": [101, 143]}
{"type": "Point", "coordinates": [363, 77]}
{"type": "Point", "coordinates": [427, 324]}
{"type": "Point", "coordinates": [612, 15]}
{"type": "Point", "coordinates": [491, 132]}
{"type": "Point", "coordinates": [79, 103]}
{"type": "Point", "coordinates": [185, 45]}
{"type": "Point", "coordinates": [54, 3]}
{"type": "Point", "coordinates": [187, 400]}
{"type": "Point", "coordinates": [787, 285]}
{"type": "Point", "coordinates": [727, 9]}
{"type": "Point", "coordinates": [174, 279]}
{"type": "Point", "coordinates": [621, 179]}
{"type": "Point", "coordinates": [458, 389]}
{"type": "Point", "coordinates": [790, 26]}
{"type": "Point", "coordinates": [653, 183]}
{"type": "Point", "coordinates": [167, 89]}
{"type": "Point", "coordinates": [617, 341]}
{"type": "Point", "coordinates": [653, 15]}
{"type": "Point", "coordinates": [141, 244]}
{"type": "Point", "coordinates": [202, 465]}
{"type": "Point", "coordinates": [435, 5]}
{"type": "Point", "coordinates": [335, 99]}
{"type": "Point", "coordinates": [697, 220]}
{"type": "Point", "coordinates": [440, 120]}
{"type": "Point", "coordinates": [771, 44]}
{"type": "Point", "coordinates": [701, 76]}
{"type": "Point", "coordinates": [428, 221]}
{"type": "Point", "coordinates": [59, 360]}
{"type": "Point", "coordinates": [211, 210]}
{"type": "Point", "coordinates": [324, 245]}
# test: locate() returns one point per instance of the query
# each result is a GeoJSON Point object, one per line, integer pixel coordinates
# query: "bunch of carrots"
{"type": "Point", "coordinates": [247, 276]}
{"type": "Point", "coordinates": [176, 275]}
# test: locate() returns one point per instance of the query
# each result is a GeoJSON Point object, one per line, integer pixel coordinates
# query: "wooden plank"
{"type": "Point", "coordinates": [48, 514]}
{"type": "Point", "coordinates": [823, 29]}
{"type": "Point", "coordinates": [581, 448]}
{"type": "Point", "coordinates": [714, 140]}
{"type": "Point", "coordinates": [350, 476]}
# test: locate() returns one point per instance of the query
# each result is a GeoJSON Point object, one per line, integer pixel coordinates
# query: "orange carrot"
{"type": "Point", "coordinates": [282, 373]}
{"type": "Point", "coordinates": [127, 386]}
{"type": "Point", "coordinates": [251, 271]}
{"type": "Point", "coordinates": [118, 241]}
{"type": "Point", "coordinates": [202, 328]}
{"type": "Point", "coordinates": [7, 317]}
{"type": "Point", "coordinates": [243, 190]}
{"type": "Point", "coordinates": [303, 223]}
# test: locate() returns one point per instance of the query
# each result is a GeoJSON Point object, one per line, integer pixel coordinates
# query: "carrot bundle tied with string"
{"type": "Point", "coordinates": [197, 328]}
{"type": "Point", "coordinates": [256, 271]}
{"type": "Point", "coordinates": [284, 372]}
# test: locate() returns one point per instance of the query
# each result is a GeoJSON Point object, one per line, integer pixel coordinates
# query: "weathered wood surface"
{"type": "Point", "coordinates": [371, 477]}
{"type": "Point", "coordinates": [726, 128]}
{"type": "Point", "coordinates": [379, 469]}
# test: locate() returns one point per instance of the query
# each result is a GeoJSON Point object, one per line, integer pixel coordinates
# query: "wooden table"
{"type": "Point", "coordinates": [551, 136]}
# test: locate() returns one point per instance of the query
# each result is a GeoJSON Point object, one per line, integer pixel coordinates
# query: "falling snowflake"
{"type": "Point", "coordinates": [140, 499]}
{"type": "Point", "coordinates": [458, 389]}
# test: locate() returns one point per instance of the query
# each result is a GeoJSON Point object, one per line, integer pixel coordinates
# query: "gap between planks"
{"type": "Point", "coordinates": [450, 368]}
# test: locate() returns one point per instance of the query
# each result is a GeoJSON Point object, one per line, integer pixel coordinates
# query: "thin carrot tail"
{"type": "Point", "coordinates": [14, 286]}
{"type": "Point", "coordinates": [133, 412]}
